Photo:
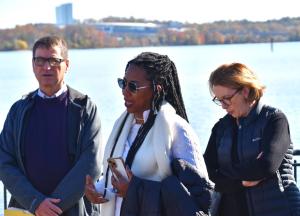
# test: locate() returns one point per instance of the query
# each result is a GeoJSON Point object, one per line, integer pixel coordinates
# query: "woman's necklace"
{"type": "Point", "coordinates": [139, 120]}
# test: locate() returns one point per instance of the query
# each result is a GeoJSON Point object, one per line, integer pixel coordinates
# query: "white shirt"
{"type": "Point", "coordinates": [62, 90]}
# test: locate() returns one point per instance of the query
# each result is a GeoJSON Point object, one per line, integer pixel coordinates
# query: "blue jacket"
{"type": "Point", "coordinates": [277, 194]}
{"type": "Point", "coordinates": [84, 144]}
{"type": "Point", "coordinates": [185, 193]}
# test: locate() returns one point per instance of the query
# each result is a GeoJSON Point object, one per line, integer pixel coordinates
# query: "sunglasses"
{"type": "Point", "coordinates": [132, 86]}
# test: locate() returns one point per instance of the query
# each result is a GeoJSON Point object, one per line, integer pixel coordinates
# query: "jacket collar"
{"type": "Point", "coordinates": [253, 114]}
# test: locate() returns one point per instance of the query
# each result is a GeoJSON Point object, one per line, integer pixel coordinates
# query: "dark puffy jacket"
{"type": "Point", "coordinates": [185, 193]}
{"type": "Point", "coordinates": [277, 195]}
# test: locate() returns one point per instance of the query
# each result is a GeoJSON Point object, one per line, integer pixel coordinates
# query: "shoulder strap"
{"type": "Point", "coordinates": [112, 151]}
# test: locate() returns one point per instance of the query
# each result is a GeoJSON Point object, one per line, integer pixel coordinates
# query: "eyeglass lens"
{"type": "Point", "coordinates": [131, 85]}
{"type": "Point", "coordinates": [226, 101]}
{"type": "Point", "coordinates": [40, 61]}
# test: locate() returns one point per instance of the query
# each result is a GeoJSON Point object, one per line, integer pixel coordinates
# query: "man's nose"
{"type": "Point", "coordinates": [47, 65]}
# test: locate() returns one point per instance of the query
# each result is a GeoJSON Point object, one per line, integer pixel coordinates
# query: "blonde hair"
{"type": "Point", "coordinates": [238, 76]}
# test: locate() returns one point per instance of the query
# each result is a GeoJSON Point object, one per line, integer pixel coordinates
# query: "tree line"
{"type": "Point", "coordinates": [84, 35]}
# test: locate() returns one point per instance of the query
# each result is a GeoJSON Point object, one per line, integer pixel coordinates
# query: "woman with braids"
{"type": "Point", "coordinates": [159, 147]}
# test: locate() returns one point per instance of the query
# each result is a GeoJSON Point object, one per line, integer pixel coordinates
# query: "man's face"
{"type": "Point", "coordinates": [49, 68]}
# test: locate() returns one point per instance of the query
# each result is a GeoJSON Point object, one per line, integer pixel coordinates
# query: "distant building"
{"type": "Point", "coordinates": [64, 14]}
{"type": "Point", "coordinates": [124, 28]}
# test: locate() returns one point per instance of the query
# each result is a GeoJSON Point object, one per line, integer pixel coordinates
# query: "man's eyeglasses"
{"type": "Point", "coordinates": [40, 61]}
{"type": "Point", "coordinates": [226, 100]}
{"type": "Point", "coordinates": [132, 86]}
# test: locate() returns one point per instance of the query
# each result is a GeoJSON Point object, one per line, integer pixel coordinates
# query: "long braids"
{"type": "Point", "coordinates": [161, 71]}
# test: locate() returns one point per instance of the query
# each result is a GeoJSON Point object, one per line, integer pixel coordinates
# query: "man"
{"type": "Point", "coordinates": [51, 140]}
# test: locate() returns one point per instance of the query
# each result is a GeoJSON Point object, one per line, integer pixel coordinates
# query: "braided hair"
{"type": "Point", "coordinates": [162, 71]}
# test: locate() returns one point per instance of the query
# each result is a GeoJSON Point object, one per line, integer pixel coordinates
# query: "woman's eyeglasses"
{"type": "Point", "coordinates": [132, 86]}
{"type": "Point", "coordinates": [226, 100]}
{"type": "Point", "coordinates": [53, 62]}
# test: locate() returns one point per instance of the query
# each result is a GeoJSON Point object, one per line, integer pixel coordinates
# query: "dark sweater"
{"type": "Point", "coordinates": [45, 145]}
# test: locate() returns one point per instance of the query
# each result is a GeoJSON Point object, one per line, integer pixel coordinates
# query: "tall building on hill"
{"type": "Point", "coordinates": [64, 14]}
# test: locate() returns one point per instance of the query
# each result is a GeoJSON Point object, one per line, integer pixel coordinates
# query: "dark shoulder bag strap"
{"type": "Point", "coordinates": [112, 151]}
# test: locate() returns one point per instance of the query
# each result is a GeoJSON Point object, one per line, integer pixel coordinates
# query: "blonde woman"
{"type": "Point", "coordinates": [249, 154]}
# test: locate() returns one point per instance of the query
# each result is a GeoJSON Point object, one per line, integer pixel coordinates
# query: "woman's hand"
{"type": "Point", "coordinates": [120, 183]}
{"type": "Point", "coordinates": [91, 192]}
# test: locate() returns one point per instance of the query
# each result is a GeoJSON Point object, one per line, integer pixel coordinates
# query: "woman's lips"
{"type": "Point", "coordinates": [128, 103]}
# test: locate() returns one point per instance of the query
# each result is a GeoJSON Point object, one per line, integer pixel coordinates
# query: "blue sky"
{"type": "Point", "coordinates": [19, 12]}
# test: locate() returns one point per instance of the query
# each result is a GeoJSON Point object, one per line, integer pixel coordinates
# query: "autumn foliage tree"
{"type": "Point", "coordinates": [170, 33]}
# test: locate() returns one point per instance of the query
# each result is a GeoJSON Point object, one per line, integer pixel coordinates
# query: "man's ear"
{"type": "Point", "coordinates": [67, 64]}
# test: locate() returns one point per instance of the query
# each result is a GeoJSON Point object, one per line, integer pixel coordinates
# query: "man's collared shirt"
{"type": "Point", "coordinates": [58, 93]}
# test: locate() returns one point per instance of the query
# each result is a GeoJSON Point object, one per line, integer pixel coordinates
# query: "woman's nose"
{"type": "Point", "coordinates": [224, 105]}
{"type": "Point", "coordinates": [125, 91]}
